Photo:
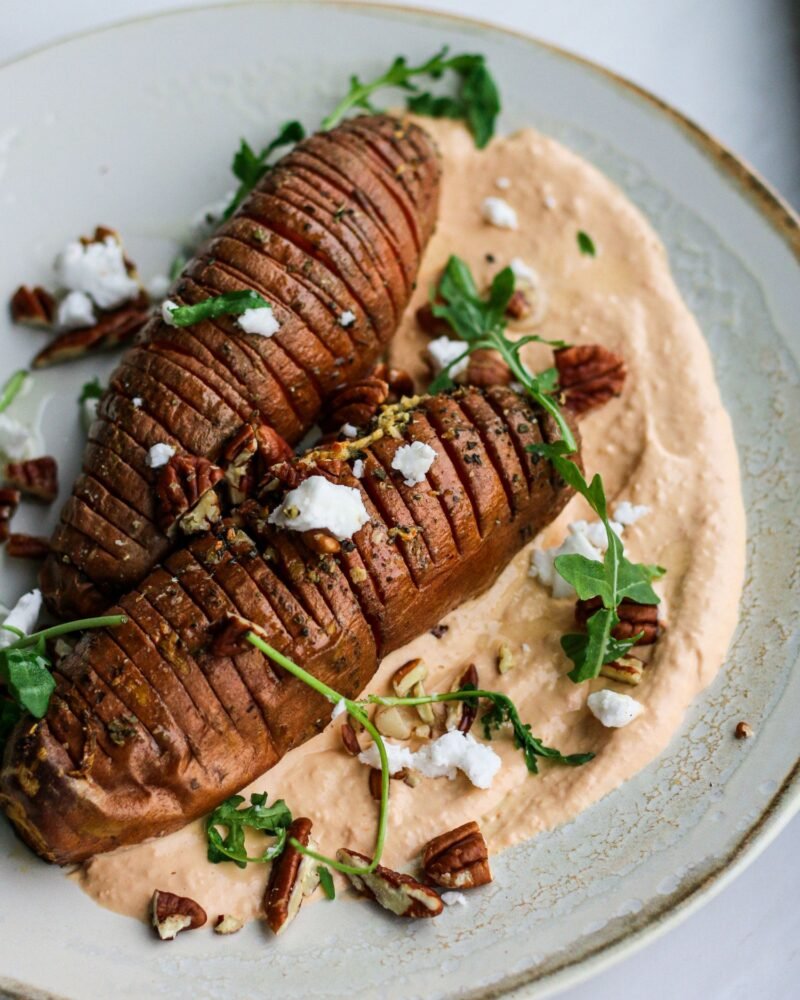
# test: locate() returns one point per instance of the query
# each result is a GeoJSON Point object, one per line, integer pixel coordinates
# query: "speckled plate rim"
{"type": "Point", "coordinates": [664, 913]}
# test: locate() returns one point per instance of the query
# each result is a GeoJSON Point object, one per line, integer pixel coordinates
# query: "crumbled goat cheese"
{"type": "Point", "coordinates": [441, 758]}
{"type": "Point", "coordinates": [629, 513]}
{"type": "Point", "coordinates": [358, 468]}
{"type": "Point", "coordinates": [159, 455]}
{"type": "Point", "coordinates": [23, 616]}
{"type": "Point", "coordinates": [308, 440]}
{"type": "Point", "coordinates": [338, 709]}
{"type": "Point", "coordinates": [524, 273]}
{"type": "Point", "coordinates": [97, 269]}
{"type": "Point", "coordinates": [414, 461]}
{"type": "Point", "coordinates": [319, 503]}
{"type": "Point", "coordinates": [504, 183]}
{"type": "Point", "coordinates": [499, 213]}
{"type": "Point", "coordinates": [613, 710]}
{"type": "Point", "coordinates": [168, 307]}
{"type": "Point", "coordinates": [88, 413]}
{"type": "Point", "coordinates": [74, 311]}
{"type": "Point", "coordinates": [261, 321]}
{"type": "Point", "coordinates": [347, 318]}
{"type": "Point", "coordinates": [443, 350]}
{"type": "Point", "coordinates": [15, 439]}
{"type": "Point", "coordinates": [349, 431]}
{"type": "Point", "coordinates": [137, 402]}
{"type": "Point", "coordinates": [454, 899]}
{"type": "Point", "coordinates": [158, 286]}
{"type": "Point", "coordinates": [584, 538]}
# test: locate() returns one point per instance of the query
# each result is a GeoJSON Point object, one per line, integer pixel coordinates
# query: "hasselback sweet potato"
{"type": "Point", "coordinates": [148, 728]}
{"type": "Point", "coordinates": [332, 238]}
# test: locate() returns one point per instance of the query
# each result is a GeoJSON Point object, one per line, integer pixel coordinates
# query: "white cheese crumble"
{"type": "Point", "coordinates": [260, 320]}
{"type": "Point", "coordinates": [613, 710]}
{"type": "Point", "coordinates": [358, 468]}
{"type": "Point", "coordinates": [137, 402]}
{"type": "Point", "coordinates": [97, 269]}
{"type": "Point", "coordinates": [168, 307]}
{"type": "Point", "coordinates": [414, 461]}
{"type": "Point", "coordinates": [443, 350]}
{"type": "Point", "coordinates": [453, 899]}
{"type": "Point", "coordinates": [23, 616]}
{"type": "Point", "coordinates": [504, 183]}
{"type": "Point", "coordinates": [16, 441]}
{"type": "Point", "coordinates": [89, 413]}
{"type": "Point", "coordinates": [441, 758]}
{"type": "Point", "coordinates": [159, 454]}
{"type": "Point", "coordinates": [75, 310]}
{"type": "Point", "coordinates": [318, 503]}
{"type": "Point", "coordinates": [524, 273]}
{"type": "Point", "coordinates": [629, 513]}
{"type": "Point", "coordinates": [347, 318]}
{"type": "Point", "coordinates": [338, 709]}
{"type": "Point", "coordinates": [349, 431]}
{"type": "Point", "coordinates": [499, 213]}
{"type": "Point", "coordinates": [158, 286]}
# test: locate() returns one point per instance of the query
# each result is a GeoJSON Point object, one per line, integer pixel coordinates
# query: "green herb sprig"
{"type": "Point", "coordinates": [480, 323]}
{"type": "Point", "coordinates": [229, 304]}
{"type": "Point", "coordinates": [326, 881]}
{"type": "Point", "coordinates": [586, 244]}
{"type": "Point", "coordinates": [90, 390]}
{"type": "Point", "coordinates": [12, 388]}
{"type": "Point", "coordinates": [249, 167]}
{"type": "Point", "coordinates": [271, 820]}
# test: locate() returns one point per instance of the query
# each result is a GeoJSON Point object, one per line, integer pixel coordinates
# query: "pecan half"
{"type": "Point", "coordinates": [110, 330]}
{"type": "Point", "coordinates": [626, 670]}
{"type": "Point", "coordinates": [248, 456]}
{"type": "Point", "coordinates": [398, 893]}
{"type": "Point", "coordinates": [35, 477]}
{"type": "Point", "coordinates": [374, 780]}
{"type": "Point", "coordinates": [399, 381]}
{"type": "Point", "coordinates": [487, 368]}
{"type": "Point", "coordinates": [460, 715]}
{"type": "Point", "coordinates": [633, 619]}
{"type": "Point", "coordinates": [9, 501]}
{"type": "Point", "coordinates": [356, 404]}
{"type": "Point", "coordinates": [293, 877]}
{"type": "Point", "coordinates": [33, 306]}
{"type": "Point", "coordinates": [172, 914]}
{"type": "Point", "coordinates": [182, 484]}
{"type": "Point", "coordinates": [458, 859]}
{"type": "Point", "coordinates": [589, 375]}
{"type": "Point", "coordinates": [349, 738]}
{"type": "Point", "coordinates": [21, 546]}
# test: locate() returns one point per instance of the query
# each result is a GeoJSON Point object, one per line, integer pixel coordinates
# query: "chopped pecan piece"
{"type": "Point", "coordinates": [743, 730]}
{"type": "Point", "coordinates": [33, 306]}
{"type": "Point", "coordinates": [182, 484]}
{"type": "Point", "coordinates": [228, 923]}
{"type": "Point", "coordinates": [589, 375]}
{"type": "Point", "coordinates": [356, 404]}
{"type": "Point", "coordinates": [35, 477]}
{"type": "Point", "coordinates": [398, 893]}
{"type": "Point", "coordinates": [399, 381]}
{"type": "Point", "coordinates": [21, 546]}
{"type": "Point", "coordinates": [460, 715]}
{"type": "Point", "coordinates": [633, 619]}
{"type": "Point", "coordinates": [626, 670]}
{"type": "Point", "coordinates": [519, 306]}
{"type": "Point", "coordinates": [434, 326]}
{"type": "Point", "coordinates": [322, 542]}
{"type": "Point", "coordinates": [247, 457]}
{"type": "Point", "coordinates": [458, 859]}
{"type": "Point", "coordinates": [405, 677]}
{"type": "Point", "coordinates": [9, 501]}
{"type": "Point", "coordinates": [487, 368]}
{"type": "Point", "coordinates": [172, 914]}
{"type": "Point", "coordinates": [349, 738]}
{"type": "Point", "coordinates": [111, 330]}
{"type": "Point", "coordinates": [231, 631]}
{"type": "Point", "coordinates": [293, 877]}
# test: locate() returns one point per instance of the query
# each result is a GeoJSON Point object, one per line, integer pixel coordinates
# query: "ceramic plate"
{"type": "Point", "coordinates": [134, 127]}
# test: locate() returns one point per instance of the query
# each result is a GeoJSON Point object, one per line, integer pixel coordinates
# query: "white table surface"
{"type": "Point", "coordinates": [734, 67]}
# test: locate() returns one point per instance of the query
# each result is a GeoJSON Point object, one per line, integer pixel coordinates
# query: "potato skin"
{"type": "Point", "coordinates": [148, 730]}
{"type": "Point", "coordinates": [333, 229]}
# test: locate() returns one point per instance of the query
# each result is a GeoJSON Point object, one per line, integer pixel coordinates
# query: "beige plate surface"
{"type": "Point", "coordinates": [134, 126]}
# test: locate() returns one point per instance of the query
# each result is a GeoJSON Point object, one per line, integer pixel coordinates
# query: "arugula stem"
{"type": "Point", "coordinates": [12, 388]}
{"type": "Point", "coordinates": [357, 713]}
{"type": "Point", "coordinates": [65, 628]}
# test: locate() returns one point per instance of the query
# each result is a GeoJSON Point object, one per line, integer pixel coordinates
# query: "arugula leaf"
{"type": "Point", "coordinates": [272, 820]}
{"type": "Point", "coordinates": [26, 674]}
{"type": "Point", "coordinates": [586, 244]}
{"type": "Point", "coordinates": [476, 100]}
{"type": "Point", "coordinates": [12, 388]}
{"type": "Point", "coordinates": [249, 167]}
{"type": "Point", "coordinates": [229, 304]}
{"type": "Point", "coordinates": [91, 390]}
{"type": "Point", "coordinates": [326, 881]}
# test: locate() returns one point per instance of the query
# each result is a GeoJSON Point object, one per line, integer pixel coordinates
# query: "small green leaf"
{"type": "Point", "coordinates": [91, 390]}
{"type": "Point", "coordinates": [326, 881]}
{"type": "Point", "coordinates": [249, 167]}
{"type": "Point", "coordinates": [12, 388]}
{"type": "Point", "coordinates": [586, 244]}
{"type": "Point", "coordinates": [26, 673]}
{"type": "Point", "coordinates": [587, 576]}
{"type": "Point", "coordinates": [272, 820]}
{"type": "Point", "coordinates": [229, 304]}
